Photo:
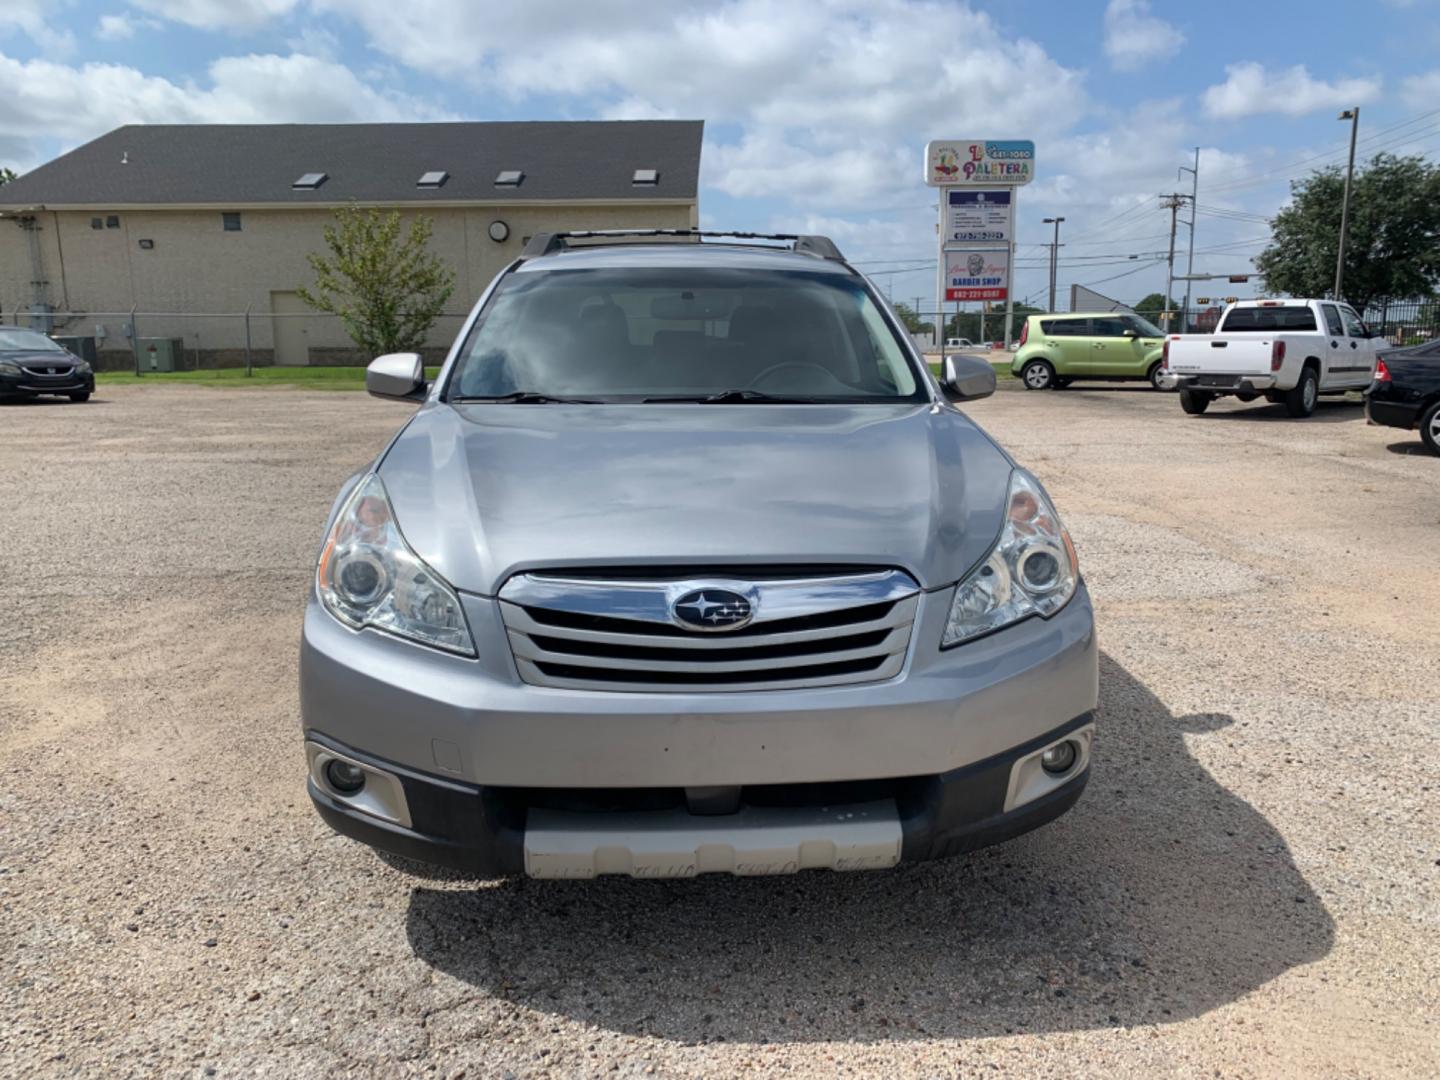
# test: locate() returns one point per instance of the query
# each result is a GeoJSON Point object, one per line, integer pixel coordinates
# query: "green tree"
{"type": "Point", "coordinates": [1392, 251]}
{"type": "Point", "coordinates": [1152, 306]}
{"type": "Point", "coordinates": [6, 175]}
{"type": "Point", "coordinates": [913, 323]}
{"type": "Point", "coordinates": [387, 289]}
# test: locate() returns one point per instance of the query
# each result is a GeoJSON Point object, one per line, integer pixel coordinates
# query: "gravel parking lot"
{"type": "Point", "coordinates": [1251, 885]}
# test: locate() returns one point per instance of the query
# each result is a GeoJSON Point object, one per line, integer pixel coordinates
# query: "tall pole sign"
{"type": "Point", "coordinates": [977, 181]}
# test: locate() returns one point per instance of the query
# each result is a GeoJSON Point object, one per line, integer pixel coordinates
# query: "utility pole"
{"type": "Point", "coordinates": [1054, 254]}
{"type": "Point", "coordinates": [1194, 212]}
{"type": "Point", "coordinates": [1353, 115]}
{"type": "Point", "coordinates": [1171, 202]}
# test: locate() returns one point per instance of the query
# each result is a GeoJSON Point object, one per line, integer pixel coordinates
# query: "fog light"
{"type": "Point", "coordinates": [344, 777]}
{"type": "Point", "coordinates": [1059, 758]}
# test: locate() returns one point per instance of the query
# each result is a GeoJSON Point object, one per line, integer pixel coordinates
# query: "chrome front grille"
{"type": "Point", "coordinates": [622, 634]}
{"type": "Point", "coordinates": [48, 371]}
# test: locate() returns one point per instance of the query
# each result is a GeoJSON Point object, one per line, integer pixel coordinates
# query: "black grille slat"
{"type": "Point", "coordinates": [571, 620]}
{"type": "Point", "coordinates": [605, 650]}
{"type": "Point", "coordinates": [711, 678]}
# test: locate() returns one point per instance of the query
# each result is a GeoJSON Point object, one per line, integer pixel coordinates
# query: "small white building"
{"type": "Point", "coordinates": [191, 226]}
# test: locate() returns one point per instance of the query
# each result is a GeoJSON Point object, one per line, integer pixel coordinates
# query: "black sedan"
{"type": "Point", "coordinates": [1406, 391]}
{"type": "Point", "coordinates": [31, 364]}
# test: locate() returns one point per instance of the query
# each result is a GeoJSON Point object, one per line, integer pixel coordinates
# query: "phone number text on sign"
{"type": "Point", "coordinates": [978, 217]}
{"type": "Point", "coordinates": [976, 275]}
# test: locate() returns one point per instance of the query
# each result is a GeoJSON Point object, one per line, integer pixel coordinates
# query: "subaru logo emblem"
{"type": "Point", "coordinates": [712, 609]}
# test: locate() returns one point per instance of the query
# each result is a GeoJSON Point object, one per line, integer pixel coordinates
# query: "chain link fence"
{"type": "Point", "coordinates": [157, 341]}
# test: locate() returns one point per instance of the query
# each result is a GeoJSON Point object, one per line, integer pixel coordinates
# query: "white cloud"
{"type": "Point", "coordinates": [1134, 38]}
{"type": "Point", "coordinates": [1422, 91]}
{"type": "Point", "coordinates": [115, 28]}
{"type": "Point", "coordinates": [833, 99]}
{"type": "Point", "coordinates": [1249, 89]}
{"type": "Point", "coordinates": [218, 14]}
{"type": "Point", "coordinates": [46, 100]}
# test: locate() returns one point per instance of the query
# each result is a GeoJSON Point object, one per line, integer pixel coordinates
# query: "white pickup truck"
{"type": "Point", "coordinates": [1286, 351]}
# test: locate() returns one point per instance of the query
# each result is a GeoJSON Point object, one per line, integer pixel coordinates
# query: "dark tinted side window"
{"type": "Point", "coordinates": [1066, 327]}
{"type": "Point", "coordinates": [1332, 320]}
{"type": "Point", "coordinates": [1284, 317]}
{"type": "Point", "coordinates": [1107, 327]}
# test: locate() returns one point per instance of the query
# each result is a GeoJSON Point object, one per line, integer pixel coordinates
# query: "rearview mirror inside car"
{"type": "Point", "coordinates": [967, 378]}
{"type": "Point", "coordinates": [396, 375]}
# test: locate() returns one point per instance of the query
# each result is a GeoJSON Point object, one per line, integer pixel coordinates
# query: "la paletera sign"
{"type": "Point", "coordinates": [988, 162]}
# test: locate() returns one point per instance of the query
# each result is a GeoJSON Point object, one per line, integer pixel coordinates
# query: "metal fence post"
{"type": "Point", "coordinates": [134, 340]}
{"type": "Point", "coordinates": [248, 371]}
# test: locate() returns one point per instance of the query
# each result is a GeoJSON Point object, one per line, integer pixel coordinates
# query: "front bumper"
{"type": "Point", "coordinates": [28, 385]}
{"type": "Point", "coordinates": [475, 721]}
{"type": "Point", "coordinates": [492, 832]}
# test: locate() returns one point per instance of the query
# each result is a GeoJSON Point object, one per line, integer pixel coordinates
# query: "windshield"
{"type": "Point", "coordinates": [14, 339]}
{"type": "Point", "coordinates": [1143, 326]}
{"type": "Point", "coordinates": [684, 333]}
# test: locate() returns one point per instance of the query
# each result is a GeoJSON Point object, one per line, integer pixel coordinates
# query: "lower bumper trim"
{"type": "Point", "coordinates": [483, 832]}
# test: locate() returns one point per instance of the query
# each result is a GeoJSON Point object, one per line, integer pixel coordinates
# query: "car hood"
{"type": "Point", "coordinates": [483, 491]}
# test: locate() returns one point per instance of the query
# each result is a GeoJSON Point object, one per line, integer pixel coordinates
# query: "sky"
{"type": "Point", "coordinates": [816, 111]}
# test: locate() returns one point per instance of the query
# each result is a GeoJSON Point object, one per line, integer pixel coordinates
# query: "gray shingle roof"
{"type": "Point", "coordinates": [257, 163]}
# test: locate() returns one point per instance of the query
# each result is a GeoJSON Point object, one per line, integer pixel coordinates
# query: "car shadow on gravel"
{"type": "Point", "coordinates": [1160, 897]}
{"type": "Point", "coordinates": [1326, 412]}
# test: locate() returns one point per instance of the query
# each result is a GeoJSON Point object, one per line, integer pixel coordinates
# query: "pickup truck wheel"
{"type": "Point", "coordinates": [1154, 375]}
{"type": "Point", "coordinates": [1300, 402]}
{"type": "Point", "coordinates": [1038, 375]}
{"type": "Point", "coordinates": [1195, 402]}
{"type": "Point", "coordinates": [1430, 428]}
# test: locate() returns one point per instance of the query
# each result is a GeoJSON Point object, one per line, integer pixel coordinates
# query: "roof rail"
{"type": "Point", "coordinates": [547, 243]}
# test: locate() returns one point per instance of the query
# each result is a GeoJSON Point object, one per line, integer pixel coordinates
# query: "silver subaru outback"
{"type": "Point", "coordinates": [687, 564]}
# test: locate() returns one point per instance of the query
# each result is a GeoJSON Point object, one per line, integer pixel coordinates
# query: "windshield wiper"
{"type": "Point", "coordinates": [730, 397]}
{"type": "Point", "coordinates": [522, 397]}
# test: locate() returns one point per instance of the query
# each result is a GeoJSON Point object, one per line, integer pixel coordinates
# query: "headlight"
{"type": "Point", "coordinates": [82, 367]}
{"type": "Point", "coordinates": [1031, 571]}
{"type": "Point", "coordinates": [368, 576]}
{"type": "Point", "coordinates": [7, 368]}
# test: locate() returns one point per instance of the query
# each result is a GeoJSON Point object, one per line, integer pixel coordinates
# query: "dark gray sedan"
{"type": "Point", "coordinates": [31, 364]}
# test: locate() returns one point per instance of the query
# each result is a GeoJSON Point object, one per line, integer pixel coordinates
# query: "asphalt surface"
{"type": "Point", "coordinates": [1250, 886]}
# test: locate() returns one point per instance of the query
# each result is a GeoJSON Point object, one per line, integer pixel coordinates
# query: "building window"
{"type": "Point", "coordinates": [113, 221]}
{"type": "Point", "coordinates": [231, 222]}
{"type": "Point", "coordinates": [97, 223]}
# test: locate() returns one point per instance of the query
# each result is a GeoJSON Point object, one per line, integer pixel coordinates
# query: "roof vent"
{"type": "Point", "coordinates": [310, 181]}
{"type": "Point", "coordinates": [432, 179]}
{"type": "Point", "coordinates": [645, 177]}
{"type": "Point", "coordinates": [509, 178]}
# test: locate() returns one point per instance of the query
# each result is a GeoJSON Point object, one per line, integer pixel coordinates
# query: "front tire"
{"type": "Point", "coordinates": [1300, 401]}
{"type": "Point", "coordinates": [1038, 375]}
{"type": "Point", "coordinates": [81, 397]}
{"type": "Point", "coordinates": [1195, 402]}
{"type": "Point", "coordinates": [1430, 428]}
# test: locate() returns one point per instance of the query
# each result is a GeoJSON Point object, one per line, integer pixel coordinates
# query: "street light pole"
{"type": "Point", "coordinates": [1353, 115]}
{"type": "Point", "coordinates": [1054, 254]}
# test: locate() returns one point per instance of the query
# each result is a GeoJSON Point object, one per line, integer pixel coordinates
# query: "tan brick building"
{"type": "Point", "coordinates": [191, 225]}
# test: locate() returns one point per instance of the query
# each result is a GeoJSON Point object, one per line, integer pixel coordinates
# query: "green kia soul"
{"type": "Point", "coordinates": [1055, 350]}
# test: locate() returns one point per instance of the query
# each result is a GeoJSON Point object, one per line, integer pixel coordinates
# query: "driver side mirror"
{"type": "Point", "coordinates": [396, 376]}
{"type": "Point", "coordinates": [966, 378]}
{"type": "Point", "coordinates": [1127, 332]}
